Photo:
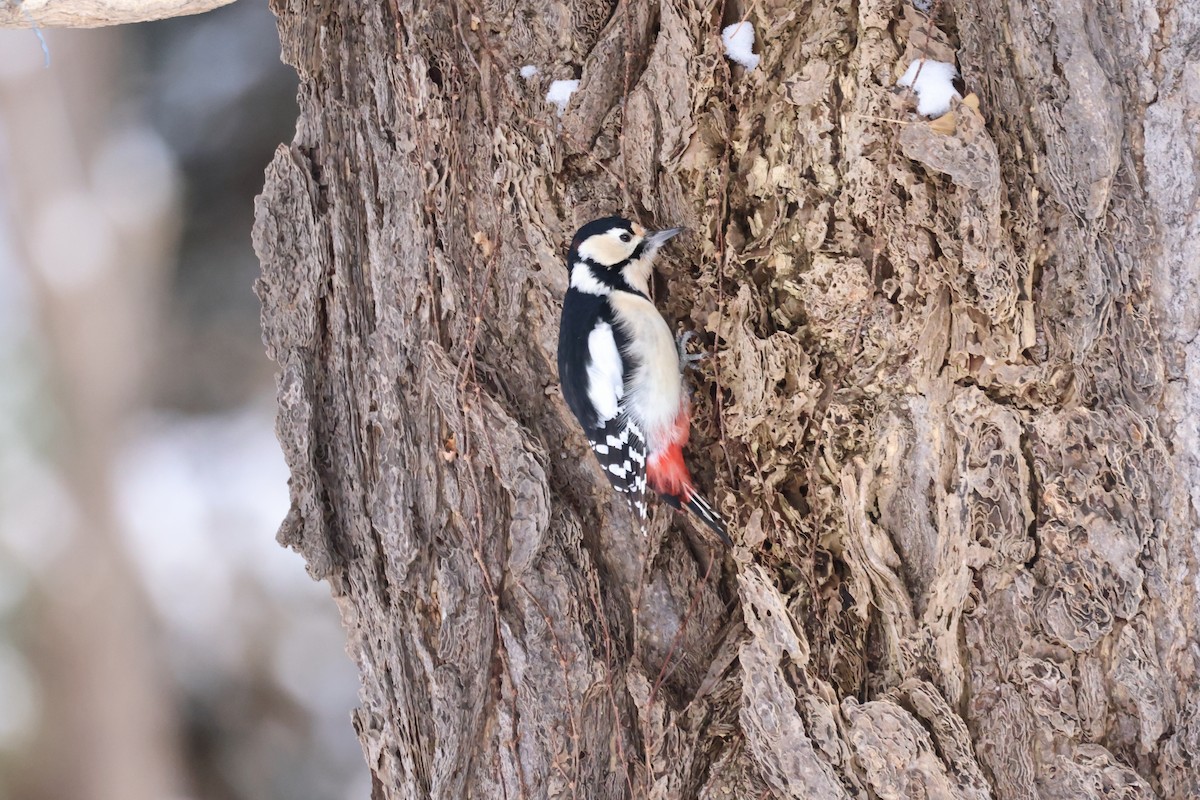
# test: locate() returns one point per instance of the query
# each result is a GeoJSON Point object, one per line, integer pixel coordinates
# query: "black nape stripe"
{"type": "Point", "coordinates": [611, 277]}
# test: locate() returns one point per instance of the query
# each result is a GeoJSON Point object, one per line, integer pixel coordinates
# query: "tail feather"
{"type": "Point", "coordinates": [700, 507]}
{"type": "Point", "coordinates": [669, 477]}
{"type": "Point", "coordinates": [637, 505]}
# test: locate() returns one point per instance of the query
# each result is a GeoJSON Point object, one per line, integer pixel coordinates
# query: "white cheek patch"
{"type": "Point", "coordinates": [606, 249]}
{"type": "Point", "coordinates": [605, 373]}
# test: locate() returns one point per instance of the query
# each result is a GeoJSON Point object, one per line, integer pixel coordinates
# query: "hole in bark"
{"type": "Point", "coordinates": [434, 73]}
{"type": "Point", "coordinates": [845, 595]}
{"type": "Point", "coordinates": [794, 493]}
{"type": "Point", "coordinates": [733, 13]}
{"type": "Point", "coordinates": [884, 271]}
{"type": "Point", "coordinates": [1108, 481]}
{"type": "Point", "coordinates": [1035, 492]}
{"type": "Point", "coordinates": [935, 248]}
{"type": "Point", "coordinates": [822, 565]}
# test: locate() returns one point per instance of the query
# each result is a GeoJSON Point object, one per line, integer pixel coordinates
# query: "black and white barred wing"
{"type": "Point", "coordinates": [619, 445]}
{"type": "Point", "coordinates": [621, 450]}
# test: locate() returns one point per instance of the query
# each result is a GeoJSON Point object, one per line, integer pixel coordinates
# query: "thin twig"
{"type": "Point", "coordinates": [722, 255]}
{"type": "Point", "coordinates": [572, 714]}
{"type": "Point", "coordinates": [627, 52]}
{"type": "Point", "coordinates": [594, 594]}
{"type": "Point", "coordinates": [37, 30]}
{"type": "Point", "coordinates": [662, 672]}
{"type": "Point", "coordinates": [493, 596]}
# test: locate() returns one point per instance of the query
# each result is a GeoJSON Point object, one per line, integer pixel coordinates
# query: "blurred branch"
{"type": "Point", "coordinates": [95, 234]}
{"type": "Point", "coordinates": [96, 13]}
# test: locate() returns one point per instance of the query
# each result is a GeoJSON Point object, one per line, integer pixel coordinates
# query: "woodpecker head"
{"type": "Point", "coordinates": [614, 253]}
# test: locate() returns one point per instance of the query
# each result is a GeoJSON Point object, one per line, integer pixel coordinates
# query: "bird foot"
{"type": "Point", "coordinates": [686, 359]}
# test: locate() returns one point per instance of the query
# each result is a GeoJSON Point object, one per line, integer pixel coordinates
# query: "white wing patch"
{"type": "Point", "coordinates": [605, 373]}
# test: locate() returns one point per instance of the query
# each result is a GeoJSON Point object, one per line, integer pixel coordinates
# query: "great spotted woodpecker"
{"type": "Point", "coordinates": [622, 372]}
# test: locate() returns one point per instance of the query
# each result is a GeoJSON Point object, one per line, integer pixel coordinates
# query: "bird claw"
{"type": "Point", "coordinates": [686, 359]}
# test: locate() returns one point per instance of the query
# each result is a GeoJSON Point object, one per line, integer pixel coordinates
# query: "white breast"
{"type": "Point", "coordinates": [657, 386]}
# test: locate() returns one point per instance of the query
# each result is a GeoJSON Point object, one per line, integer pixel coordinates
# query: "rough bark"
{"type": "Point", "coordinates": [952, 411]}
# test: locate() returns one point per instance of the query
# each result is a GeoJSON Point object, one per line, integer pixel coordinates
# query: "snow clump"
{"type": "Point", "coordinates": [528, 71]}
{"type": "Point", "coordinates": [560, 94]}
{"type": "Point", "coordinates": [934, 86]}
{"type": "Point", "coordinates": [739, 44]}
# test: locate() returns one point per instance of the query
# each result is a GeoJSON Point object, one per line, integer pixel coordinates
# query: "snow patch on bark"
{"type": "Point", "coordinates": [560, 93]}
{"type": "Point", "coordinates": [739, 44]}
{"type": "Point", "coordinates": [933, 81]}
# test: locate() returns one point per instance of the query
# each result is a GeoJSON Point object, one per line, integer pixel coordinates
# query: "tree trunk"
{"type": "Point", "coordinates": [952, 412]}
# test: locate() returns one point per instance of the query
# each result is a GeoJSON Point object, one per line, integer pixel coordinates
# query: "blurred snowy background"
{"type": "Point", "coordinates": [155, 641]}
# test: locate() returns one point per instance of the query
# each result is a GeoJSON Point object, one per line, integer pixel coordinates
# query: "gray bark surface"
{"type": "Point", "coordinates": [952, 413]}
